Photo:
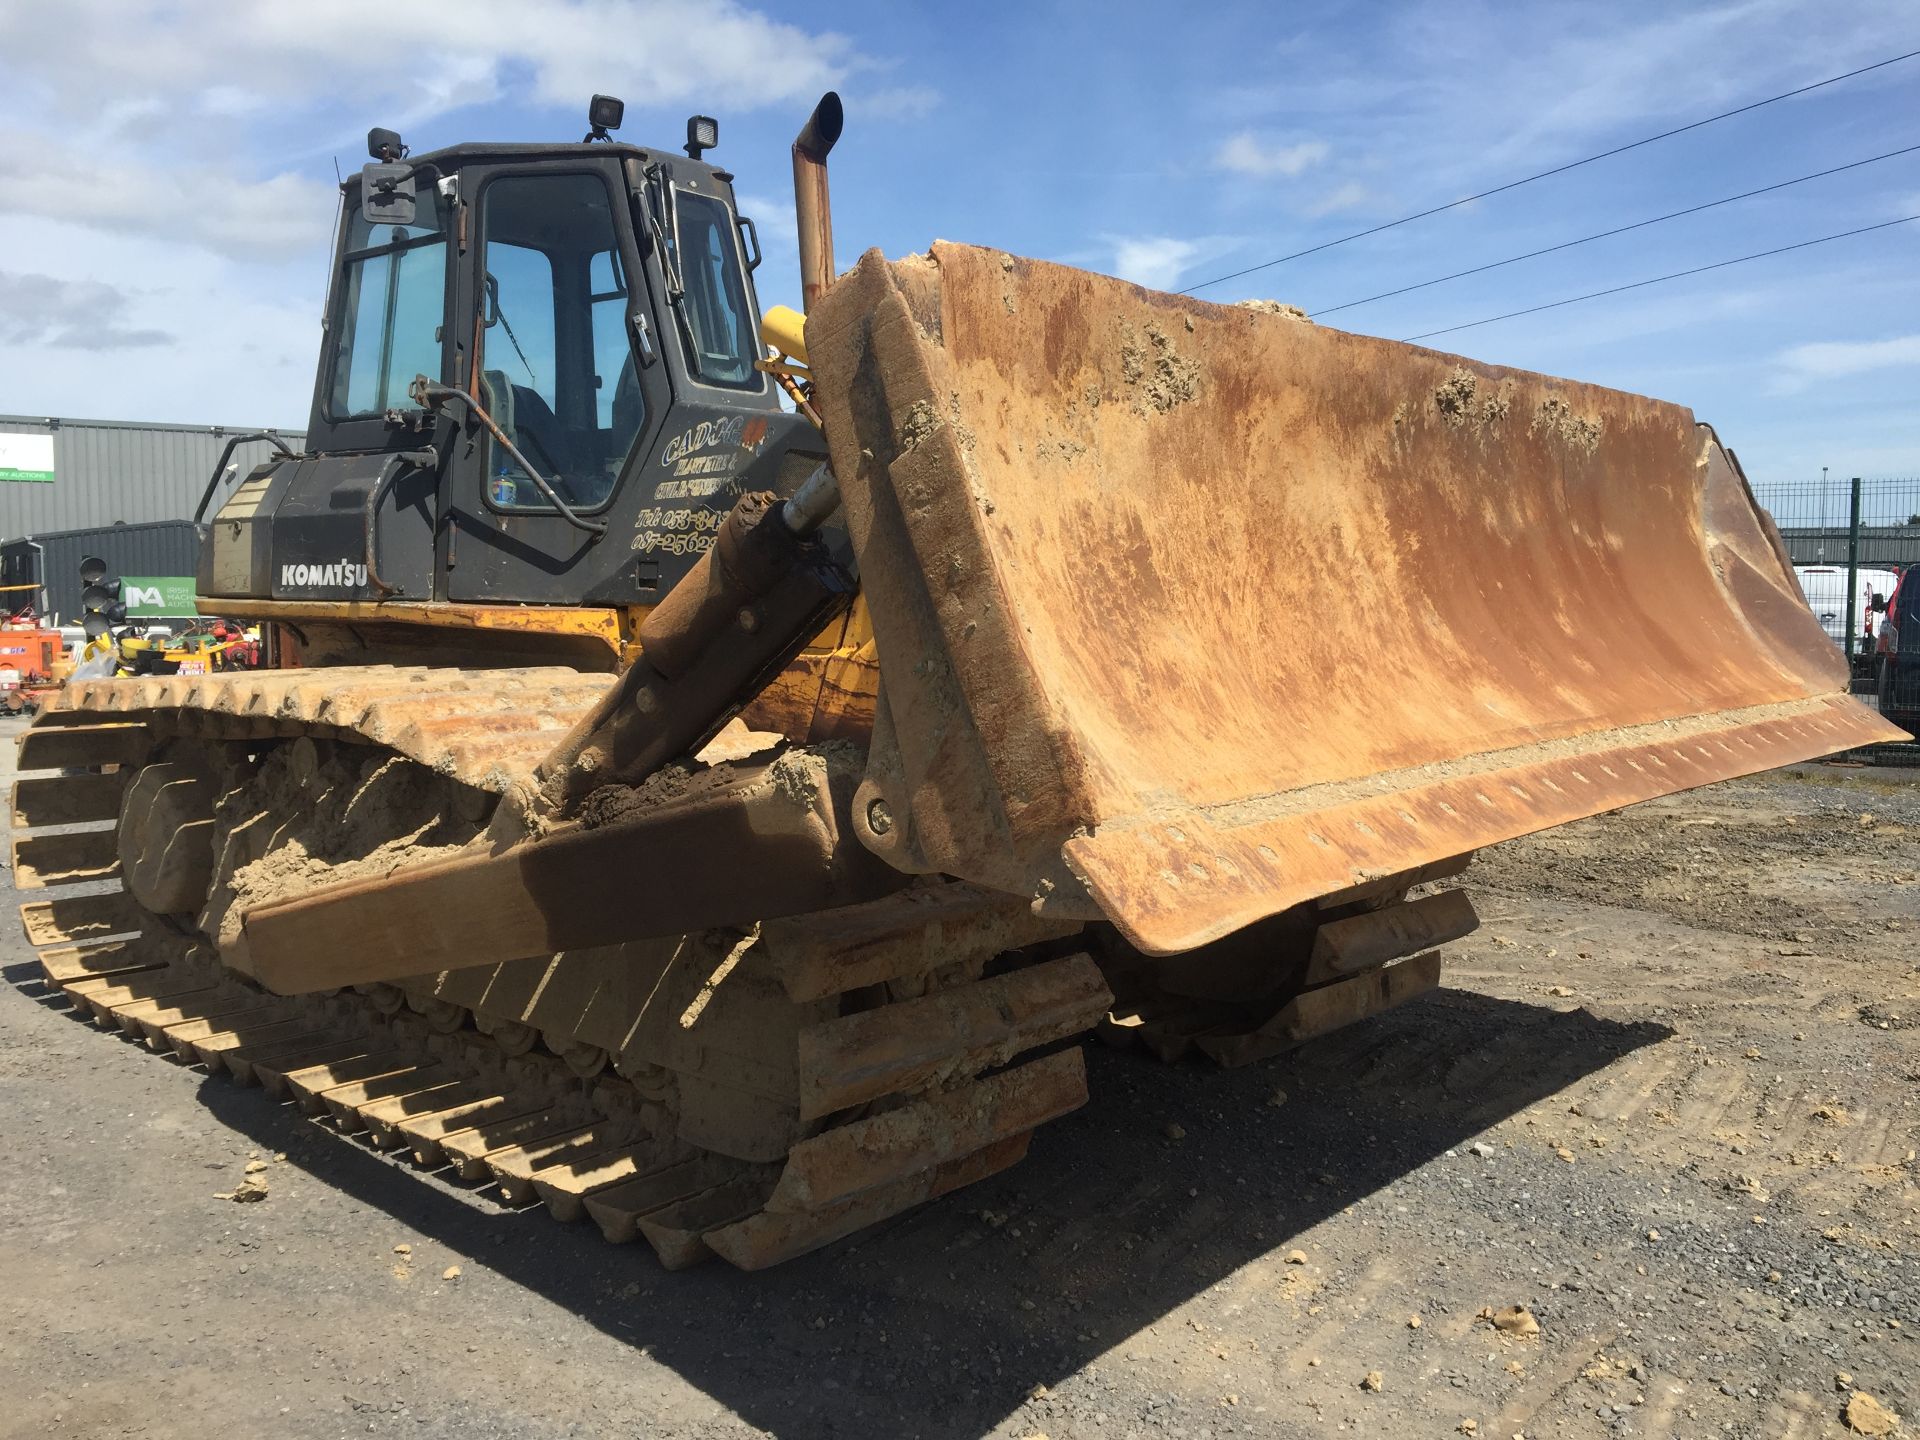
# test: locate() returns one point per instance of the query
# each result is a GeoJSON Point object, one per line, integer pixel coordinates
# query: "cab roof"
{"type": "Point", "coordinates": [454, 157]}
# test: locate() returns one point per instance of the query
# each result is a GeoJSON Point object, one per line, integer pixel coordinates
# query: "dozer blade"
{"type": "Point", "coordinates": [1189, 613]}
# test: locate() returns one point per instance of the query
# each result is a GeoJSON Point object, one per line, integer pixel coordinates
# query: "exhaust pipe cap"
{"type": "Point", "coordinates": [822, 130]}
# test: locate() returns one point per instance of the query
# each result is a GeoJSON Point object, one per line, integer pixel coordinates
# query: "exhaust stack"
{"type": "Point", "coordinates": [810, 203]}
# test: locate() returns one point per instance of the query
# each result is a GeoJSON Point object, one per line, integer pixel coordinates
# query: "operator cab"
{"type": "Point", "coordinates": [584, 321]}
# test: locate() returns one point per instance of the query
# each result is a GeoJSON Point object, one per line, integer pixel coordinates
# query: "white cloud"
{"type": "Point", "coordinates": [236, 341]}
{"type": "Point", "coordinates": [1832, 359]}
{"type": "Point", "coordinates": [165, 171]}
{"type": "Point", "coordinates": [1156, 261]}
{"type": "Point", "coordinates": [899, 102]}
{"type": "Point", "coordinates": [203, 205]}
{"type": "Point", "coordinates": [652, 52]}
{"type": "Point", "coordinates": [69, 315]}
{"type": "Point", "coordinates": [773, 216]}
{"type": "Point", "coordinates": [777, 281]}
{"type": "Point", "coordinates": [1350, 196]}
{"type": "Point", "coordinates": [1245, 153]}
{"type": "Point", "coordinates": [1453, 98]}
{"type": "Point", "coordinates": [200, 87]}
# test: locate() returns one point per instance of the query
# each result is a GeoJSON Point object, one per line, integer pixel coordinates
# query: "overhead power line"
{"type": "Point", "coordinates": [1617, 230]}
{"type": "Point", "coordinates": [1661, 279]}
{"type": "Point", "coordinates": [1544, 174]}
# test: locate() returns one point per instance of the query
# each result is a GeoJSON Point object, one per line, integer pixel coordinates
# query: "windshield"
{"type": "Point", "coordinates": [393, 294]}
{"type": "Point", "coordinates": [717, 320]}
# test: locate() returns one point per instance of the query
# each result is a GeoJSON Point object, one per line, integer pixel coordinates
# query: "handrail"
{"type": "Point", "coordinates": [220, 465]}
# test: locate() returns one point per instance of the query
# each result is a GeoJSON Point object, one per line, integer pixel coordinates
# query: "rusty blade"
{"type": "Point", "coordinates": [1197, 612]}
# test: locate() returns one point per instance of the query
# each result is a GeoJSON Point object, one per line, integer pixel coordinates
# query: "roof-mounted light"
{"type": "Point", "coordinates": [703, 134]}
{"type": "Point", "coordinates": [604, 113]}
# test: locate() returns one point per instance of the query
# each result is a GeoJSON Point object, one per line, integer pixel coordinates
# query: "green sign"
{"type": "Point", "coordinates": [27, 457]}
{"type": "Point", "coordinates": [154, 597]}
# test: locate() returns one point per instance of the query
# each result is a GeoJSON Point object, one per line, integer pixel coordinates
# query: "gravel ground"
{"type": "Point", "coordinates": [1665, 1102]}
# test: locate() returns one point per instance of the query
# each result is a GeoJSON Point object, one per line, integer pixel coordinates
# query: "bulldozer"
{"type": "Point", "coordinates": [715, 768]}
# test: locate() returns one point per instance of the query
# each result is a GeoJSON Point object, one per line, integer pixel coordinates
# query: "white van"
{"type": "Point", "coordinates": [1825, 587]}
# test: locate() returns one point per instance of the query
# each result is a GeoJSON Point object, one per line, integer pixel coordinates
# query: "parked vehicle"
{"type": "Point", "coordinates": [1897, 654]}
{"type": "Point", "coordinates": [33, 662]}
{"type": "Point", "coordinates": [1825, 587]}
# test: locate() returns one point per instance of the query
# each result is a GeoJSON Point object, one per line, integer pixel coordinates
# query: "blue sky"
{"type": "Point", "coordinates": [166, 174]}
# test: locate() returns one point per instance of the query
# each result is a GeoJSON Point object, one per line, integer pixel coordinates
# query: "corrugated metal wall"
{"type": "Point", "coordinates": [110, 471]}
{"type": "Point", "coordinates": [161, 548]}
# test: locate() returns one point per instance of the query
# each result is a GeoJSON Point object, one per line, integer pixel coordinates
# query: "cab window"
{"type": "Point", "coordinates": [393, 289]}
{"type": "Point", "coordinates": [557, 368]}
{"type": "Point", "coordinates": [717, 321]}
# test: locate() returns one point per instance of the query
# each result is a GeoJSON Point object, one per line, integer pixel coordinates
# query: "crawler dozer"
{"type": "Point", "coordinates": [717, 817]}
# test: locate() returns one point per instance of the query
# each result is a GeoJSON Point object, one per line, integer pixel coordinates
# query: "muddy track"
{"type": "Point", "coordinates": [533, 1131]}
{"type": "Point", "coordinates": [750, 1095]}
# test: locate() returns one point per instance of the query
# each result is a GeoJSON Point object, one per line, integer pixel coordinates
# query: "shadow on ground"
{"type": "Point", "coordinates": [939, 1323]}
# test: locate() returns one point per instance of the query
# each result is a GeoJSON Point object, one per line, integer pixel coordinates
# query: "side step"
{"type": "Point", "coordinates": [68, 857]}
{"type": "Point", "coordinates": [81, 918]}
{"type": "Point", "coordinates": [68, 799]}
{"type": "Point", "coordinates": [868, 1154]}
{"type": "Point", "coordinates": [770, 1237]}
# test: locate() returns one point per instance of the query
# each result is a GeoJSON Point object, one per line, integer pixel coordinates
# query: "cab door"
{"type": "Point", "coordinates": [563, 327]}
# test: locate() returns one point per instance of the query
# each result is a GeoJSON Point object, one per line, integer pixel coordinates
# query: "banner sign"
{"type": "Point", "coordinates": [27, 457]}
{"type": "Point", "coordinates": [155, 597]}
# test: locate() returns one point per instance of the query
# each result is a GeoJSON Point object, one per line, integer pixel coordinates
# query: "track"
{"type": "Point", "coordinates": [754, 1094]}
{"type": "Point", "coordinates": [527, 1127]}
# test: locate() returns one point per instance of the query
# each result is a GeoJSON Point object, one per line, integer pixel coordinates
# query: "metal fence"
{"type": "Point", "coordinates": [1873, 519]}
{"type": "Point", "coordinates": [1852, 538]}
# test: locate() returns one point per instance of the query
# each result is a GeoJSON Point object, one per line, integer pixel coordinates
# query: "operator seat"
{"type": "Point", "coordinates": [541, 437]}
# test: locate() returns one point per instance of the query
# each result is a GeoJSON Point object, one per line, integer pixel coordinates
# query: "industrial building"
{"type": "Point", "coordinates": [123, 491]}
{"type": "Point", "coordinates": [155, 563]}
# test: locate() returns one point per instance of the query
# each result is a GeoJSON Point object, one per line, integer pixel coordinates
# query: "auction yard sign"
{"type": "Point", "coordinates": [156, 597]}
{"type": "Point", "coordinates": [27, 457]}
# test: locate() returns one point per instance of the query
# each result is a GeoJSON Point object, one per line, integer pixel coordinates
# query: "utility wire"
{"type": "Point", "coordinates": [1660, 279]}
{"type": "Point", "coordinates": [1542, 175]}
{"type": "Point", "coordinates": [1617, 230]}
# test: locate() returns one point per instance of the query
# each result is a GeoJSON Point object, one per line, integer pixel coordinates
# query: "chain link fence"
{"type": "Point", "coordinates": [1855, 543]}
